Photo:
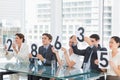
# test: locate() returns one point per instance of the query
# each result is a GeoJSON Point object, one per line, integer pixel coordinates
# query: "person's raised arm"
{"type": "Point", "coordinates": [75, 48]}
{"type": "Point", "coordinates": [88, 41]}
{"type": "Point", "coordinates": [69, 62]}
{"type": "Point", "coordinates": [57, 55]}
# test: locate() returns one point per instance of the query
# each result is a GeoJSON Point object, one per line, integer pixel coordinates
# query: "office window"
{"type": "Point", "coordinates": [35, 18]}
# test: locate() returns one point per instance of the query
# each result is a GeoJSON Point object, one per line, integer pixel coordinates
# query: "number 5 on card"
{"type": "Point", "coordinates": [103, 59]}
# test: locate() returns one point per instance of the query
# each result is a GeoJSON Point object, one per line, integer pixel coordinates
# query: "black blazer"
{"type": "Point", "coordinates": [86, 53]}
{"type": "Point", "coordinates": [47, 54]}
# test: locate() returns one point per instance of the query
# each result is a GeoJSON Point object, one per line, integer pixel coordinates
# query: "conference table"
{"type": "Point", "coordinates": [60, 73]}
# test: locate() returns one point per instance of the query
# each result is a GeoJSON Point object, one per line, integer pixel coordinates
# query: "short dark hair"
{"type": "Point", "coordinates": [21, 36]}
{"type": "Point", "coordinates": [117, 39]}
{"type": "Point", "coordinates": [96, 36]}
{"type": "Point", "coordinates": [48, 35]}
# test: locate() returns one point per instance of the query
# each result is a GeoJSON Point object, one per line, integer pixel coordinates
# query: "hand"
{"type": "Point", "coordinates": [54, 51]}
{"type": "Point", "coordinates": [112, 64]}
{"type": "Point", "coordinates": [86, 39]}
{"type": "Point", "coordinates": [63, 49]}
{"type": "Point", "coordinates": [5, 47]}
{"type": "Point", "coordinates": [70, 50]}
{"type": "Point", "coordinates": [14, 46]}
{"type": "Point", "coordinates": [30, 55]}
{"type": "Point", "coordinates": [40, 57]}
{"type": "Point", "coordinates": [96, 61]}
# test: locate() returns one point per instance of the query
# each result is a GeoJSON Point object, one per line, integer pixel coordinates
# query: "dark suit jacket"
{"type": "Point", "coordinates": [86, 53]}
{"type": "Point", "coordinates": [47, 54]}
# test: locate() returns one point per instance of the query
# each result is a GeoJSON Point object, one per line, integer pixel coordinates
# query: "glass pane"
{"type": "Point", "coordinates": [38, 17]}
{"type": "Point", "coordinates": [33, 18]}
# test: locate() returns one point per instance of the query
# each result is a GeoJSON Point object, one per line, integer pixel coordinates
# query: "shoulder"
{"type": "Point", "coordinates": [24, 45]}
{"type": "Point", "coordinates": [118, 55]}
{"type": "Point", "coordinates": [50, 46]}
{"type": "Point", "coordinates": [40, 47]}
{"type": "Point", "coordinates": [119, 52]}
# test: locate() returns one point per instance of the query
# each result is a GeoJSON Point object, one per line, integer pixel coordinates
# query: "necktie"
{"type": "Point", "coordinates": [44, 52]}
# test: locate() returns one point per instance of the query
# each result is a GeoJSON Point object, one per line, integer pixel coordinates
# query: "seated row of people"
{"type": "Point", "coordinates": [47, 53]}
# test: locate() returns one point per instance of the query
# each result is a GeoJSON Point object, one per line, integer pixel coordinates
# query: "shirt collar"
{"type": "Point", "coordinates": [46, 46]}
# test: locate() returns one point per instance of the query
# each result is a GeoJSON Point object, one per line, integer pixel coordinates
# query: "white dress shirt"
{"type": "Point", "coordinates": [22, 55]}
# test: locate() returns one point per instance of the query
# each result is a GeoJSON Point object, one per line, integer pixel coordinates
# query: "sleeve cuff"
{"type": "Point", "coordinates": [44, 61]}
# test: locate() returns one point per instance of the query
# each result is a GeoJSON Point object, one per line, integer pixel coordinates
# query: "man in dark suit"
{"type": "Point", "coordinates": [90, 53]}
{"type": "Point", "coordinates": [45, 54]}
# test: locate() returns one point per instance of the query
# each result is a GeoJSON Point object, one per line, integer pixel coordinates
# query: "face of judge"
{"type": "Point", "coordinates": [45, 40]}
{"type": "Point", "coordinates": [70, 42]}
{"type": "Point", "coordinates": [94, 41]}
{"type": "Point", "coordinates": [113, 44]}
{"type": "Point", "coordinates": [18, 40]}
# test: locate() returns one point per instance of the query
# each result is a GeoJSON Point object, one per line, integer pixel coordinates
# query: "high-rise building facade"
{"type": "Point", "coordinates": [38, 19]}
{"type": "Point", "coordinates": [11, 18]}
{"type": "Point", "coordinates": [75, 14]}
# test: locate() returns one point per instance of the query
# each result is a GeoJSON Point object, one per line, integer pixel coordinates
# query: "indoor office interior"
{"type": "Point", "coordinates": [60, 18]}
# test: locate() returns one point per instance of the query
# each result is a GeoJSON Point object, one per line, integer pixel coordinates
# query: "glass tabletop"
{"type": "Point", "coordinates": [46, 71]}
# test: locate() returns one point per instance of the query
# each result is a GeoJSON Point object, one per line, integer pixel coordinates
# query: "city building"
{"type": "Point", "coordinates": [75, 14]}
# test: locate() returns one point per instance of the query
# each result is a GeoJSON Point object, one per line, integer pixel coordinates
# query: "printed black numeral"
{"type": "Point", "coordinates": [57, 43]}
{"type": "Point", "coordinates": [9, 41]}
{"type": "Point", "coordinates": [102, 58]}
{"type": "Point", "coordinates": [81, 37]}
{"type": "Point", "coordinates": [34, 50]}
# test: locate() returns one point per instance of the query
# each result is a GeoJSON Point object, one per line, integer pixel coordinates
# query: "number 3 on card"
{"type": "Point", "coordinates": [80, 36]}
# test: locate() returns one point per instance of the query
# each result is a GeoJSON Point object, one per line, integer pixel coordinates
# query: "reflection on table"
{"type": "Point", "coordinates": [46, 71]}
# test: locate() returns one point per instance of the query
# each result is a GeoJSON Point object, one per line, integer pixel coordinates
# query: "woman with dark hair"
{"type": "Point", "coordinates": [114, 71]}
{"type": "Point", "coordinates": [20, 51]}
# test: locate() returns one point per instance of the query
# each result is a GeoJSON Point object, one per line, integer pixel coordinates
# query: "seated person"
{"type": "Point", "coordinates": [45, 54]}
{"type": "Point", "coordinates": [20, 51]}
{"type": "Point", "coordinates": [90, 53]}
{"type": "Point", "coordinates": [72, 59]}
{"type": "Point", "coordinates": [114, 71]}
